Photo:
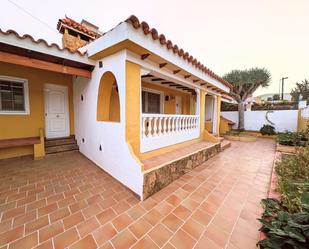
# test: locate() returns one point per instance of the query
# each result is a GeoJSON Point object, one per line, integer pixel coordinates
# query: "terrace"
{"type": "Point", "coordinates": [66, 201]}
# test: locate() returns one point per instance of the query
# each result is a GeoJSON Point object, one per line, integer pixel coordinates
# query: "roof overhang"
{"type": "Point", "coordinates": [24, 50]}
{"type": "Point", "coordinates": [124, 36]}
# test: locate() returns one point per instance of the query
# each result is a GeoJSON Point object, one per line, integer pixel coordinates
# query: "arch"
{"type": "Point", "coordinates": [108, 104]}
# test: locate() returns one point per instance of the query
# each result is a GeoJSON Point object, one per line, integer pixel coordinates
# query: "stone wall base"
{"type": "Point", "coordinates": [161, 177]}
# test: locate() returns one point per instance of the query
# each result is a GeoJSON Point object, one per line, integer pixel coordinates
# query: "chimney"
{"type": "Point", "coordinates": [75, 34]}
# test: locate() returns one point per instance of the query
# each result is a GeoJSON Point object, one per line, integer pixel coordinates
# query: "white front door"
{"type": "Point", "coordinates": [56, 111]}
{"type": "Point", "coordinates": [178, 101]}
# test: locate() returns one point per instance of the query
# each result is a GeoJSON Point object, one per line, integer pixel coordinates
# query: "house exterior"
{"type": "Point", "coordinates": [128, 96]}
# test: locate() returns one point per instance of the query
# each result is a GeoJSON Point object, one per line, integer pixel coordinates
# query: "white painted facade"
{"type": "Point", "coordinates": [283, 119]}
{"type": "Point", "coordinates": [114, 157]}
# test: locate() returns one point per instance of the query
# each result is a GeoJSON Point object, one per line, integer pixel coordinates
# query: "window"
{"type": "Point", "coordinates": [13, 96]}
{"type": "Point", "coordinates": [152, 101]}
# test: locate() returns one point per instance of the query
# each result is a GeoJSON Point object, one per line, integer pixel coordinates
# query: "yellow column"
{"type": "Point", "coordinates": [218, 114]}
{"type": "Point", "coordinates": [133, 92]}
{"type": "Point", "coordinates": [202, 113]}
{"type": "Point", "coordinates": [39, 149]}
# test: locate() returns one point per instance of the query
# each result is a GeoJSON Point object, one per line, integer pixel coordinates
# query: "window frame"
{"type": "Point", "coordinates": [26, 95]}
{"type": "Point", "coordinates": [145, 89]}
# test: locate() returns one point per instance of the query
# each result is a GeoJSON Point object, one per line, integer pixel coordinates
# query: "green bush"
{"type": "Point", "coordinates": [268, 130]}
{"type": "Point", "coordinates": [293, 178]}
{"type": "Point", "coordinates": [286, 221]}
{"type": "Point", "coordinates": [292, 138]}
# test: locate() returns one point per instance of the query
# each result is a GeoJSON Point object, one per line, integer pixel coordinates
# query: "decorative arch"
{"type": "Point", "coordinates": [108, 104]}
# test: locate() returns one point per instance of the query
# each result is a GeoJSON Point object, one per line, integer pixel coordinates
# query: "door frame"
{"type": "Point", "coordinates": [49, 86]}
{"type": "Point", "coordinates": [177, 98]}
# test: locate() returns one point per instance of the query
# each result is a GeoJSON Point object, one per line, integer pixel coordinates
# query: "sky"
{"type": "Point", "coordinates": [222, 34]}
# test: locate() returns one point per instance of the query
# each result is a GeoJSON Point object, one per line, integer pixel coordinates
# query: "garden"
{"type": "Point", "coordinates": [285, 221]}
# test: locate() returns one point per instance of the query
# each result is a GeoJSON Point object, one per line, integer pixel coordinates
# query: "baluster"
{"type": "Point", "coordinates": [155, 127]}
{"type": "Point", "coordinates": [164, 126]}
{"type": "Point", "coordinates": [160, 126]}
{"type": "Point", "coordinates": [144, 127]}
{"type": "Point", "coordinates": [177, 125]}
{"type": "Point", "coordinates": [190, 123]}
{"type": "Point", "coordinates": [150, 127]}
{"type": "Point", "coordinates": [180, 124]}
{"type": "Point", "coordinates": [173, 125]}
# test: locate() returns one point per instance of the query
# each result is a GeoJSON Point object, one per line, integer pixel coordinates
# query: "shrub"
{"type": "Point", "coordinates": [286, 221]}
{"type": "Point", "coordinates": [267, 130]}
{"type": "Point", "coordinates": [293, 178]}
{"type": "Point", "coordinates": [292, 138]}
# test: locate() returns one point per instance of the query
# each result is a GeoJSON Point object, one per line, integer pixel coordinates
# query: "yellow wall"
{"type": "Point", "coordinates": [16, 126]}
{"type": "Point", "coordinates": [224, 126]}
{"type": "Point", "coordinates": [208, 126]}
{"type": "Point", "coordinates": [218, 114]}
{"type": "Point", "coordinates": [170, 105]}
{"type": "Point", "coordinates": [302, 122]}
{"type": "Point", "coordinates": [108, 107]}
{"type": "Point", "coordinates": [133, 93]}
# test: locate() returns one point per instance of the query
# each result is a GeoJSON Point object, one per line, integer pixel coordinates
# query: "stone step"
{"type": "Point", "coordinates": [225, 144]}
{"type": "Point", "coordinates": [221, 139]}
{"type": "Point", "coordinates": [59, 141]}
{"type": "Point", "coordinates": [61, 148]}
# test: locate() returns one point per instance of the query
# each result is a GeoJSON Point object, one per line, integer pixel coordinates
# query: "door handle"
{"type": "Point", "coordinates": [57, 116]}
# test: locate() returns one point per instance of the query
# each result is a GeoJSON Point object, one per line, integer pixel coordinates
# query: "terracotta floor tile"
{"type": "Point", "coordinates": [50, 231]}
{"type": "Point", "coordinates": [87, 226]}
{"type": "Point", "coordinates": [105, 233]}
{"type": "Point", "coordinates": [122, 221]}
{"type": "Point", "coordinates": [140, 227]}
{"type": "Point", "coordinates": [182, 212]}
{"type": "Point", "coordinates": [13, 213]}
{"type": "Point", "coordinates": [136, 212]}
{"type": "Point", "coordinates": [190, 204]}
{"type": "Point", "coordinates": [45, 245]}
{"type": "Point", "coordinates": [205, 242]}
{"type": "Point", "coordinates": [48, 209]}
{"type": "Point", "coordinates": [217, 235]}
{"type": "Point", "coordinates": [168, 246]}
{"type": "Point", "coordinates": [73, 220]}
{"type": "Point", "coordinates": [181, 240]}
{"type": "Point", "coordinates": [107, 203]}
{"type": "Point", "coordinates": [164, 208]}
{"type": "Point", "coordinates": [78, 206]}
{"type": "Point", "coordinates": [148, 204]}
{"type": "Point", "coordinates": [36, 224]}
{"type": "Point", "coordinates": [59, 214]}
{"type": "Point", "coordinates": [87, 242]}
{"type": "Point", "coordinates": [153, 217]}
{"type": "Point", "coordinates": [6, 225]}
{"type": "Point", "coordinates": [172, 222]}
{"type": "Point", "coordinates": [160, 234]}
{"type": "Point", "coordinates": [145, 243]}
{"type": "Point", "coordinates": [125, 239]}
{"type": "Point", "coordinates": [11, 235]}
{"type": "Point", "coordinates": [106, 216]}
{"type": "Point", "coordinates": [173, 200]}
{"type": "Point", "coordinates": [108, 245]}
{"type": "Point", "coordinates": [65, 239]}
{"type": "Point", "coordinates": [201, 217]}
{"type": "Point", "coordinates": [121, 207]}
{"type": "Point", "coordinates": [193, 228]}
{"type": "Point", "coordinates": [27, 242]}
{"type": "Point", "coordinates": [22, 219]}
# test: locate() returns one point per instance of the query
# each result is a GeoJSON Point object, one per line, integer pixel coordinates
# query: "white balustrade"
{"type": "Point", "coordinates": [161, 130]}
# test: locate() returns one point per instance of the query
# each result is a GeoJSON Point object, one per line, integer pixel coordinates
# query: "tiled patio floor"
{"type": "Point", "coordinates": [66, 201]}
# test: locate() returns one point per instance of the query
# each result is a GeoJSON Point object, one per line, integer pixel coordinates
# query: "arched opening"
{"type": "Point", "coordinates": [108, 105]}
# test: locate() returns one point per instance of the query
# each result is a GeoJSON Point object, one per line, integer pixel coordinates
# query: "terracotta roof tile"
{"type": "Point", "coordinates": [39, 41]}
{"type": "Point", "coordinates": [133, 20]}
{"type": "Point", "coordinates": [78, 26]}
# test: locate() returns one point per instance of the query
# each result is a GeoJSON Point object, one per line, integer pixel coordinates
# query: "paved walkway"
{"type": "Point", "coordinates": [66, 201]}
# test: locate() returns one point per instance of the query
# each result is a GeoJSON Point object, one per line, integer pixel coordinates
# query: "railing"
{"type": "Point", "coordinates": [160, 130]}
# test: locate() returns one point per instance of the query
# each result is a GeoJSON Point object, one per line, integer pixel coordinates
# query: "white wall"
{"type": "Point", "coordinates": [254, 120]}
{"type": "Point", "coordinates": [115, 157]}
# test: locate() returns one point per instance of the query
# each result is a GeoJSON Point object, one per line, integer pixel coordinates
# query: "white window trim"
{"type": "Point", "coordinates": [145, 89]}
{"type": "Point", "coordinates": [26, 96]}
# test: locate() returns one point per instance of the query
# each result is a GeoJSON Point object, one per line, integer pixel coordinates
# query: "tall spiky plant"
{"type": "Point", "coordinates": [245, 83]}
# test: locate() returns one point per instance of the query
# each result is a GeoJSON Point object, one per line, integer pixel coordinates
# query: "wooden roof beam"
{"type": "Point", "coordinates": [161, 65]}
{"type": "Point", "coordinates": [144, 56]}
{"type": "Point", "coordinates": [44, 65]}
{"type": "Point", "coordinates": [176, 71]}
